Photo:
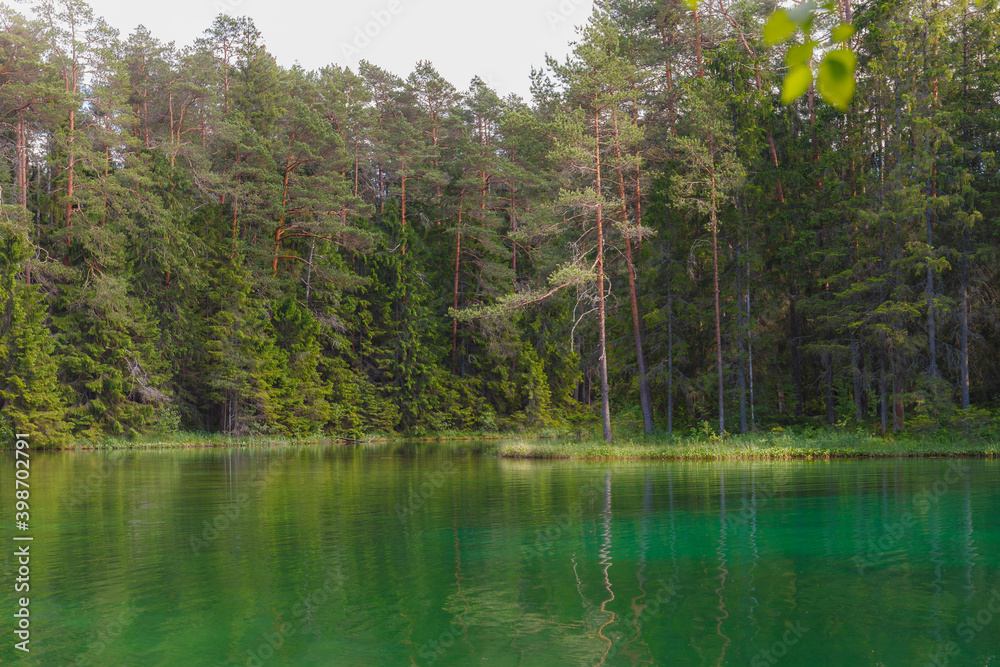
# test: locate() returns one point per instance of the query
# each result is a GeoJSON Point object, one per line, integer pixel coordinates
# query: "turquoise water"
{"type": "Point", "coordinates": [435, 554]}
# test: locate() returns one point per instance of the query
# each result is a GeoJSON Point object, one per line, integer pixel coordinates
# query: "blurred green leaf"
{"type": "Point", "coordinates": [842, 33]}
{"type": "Point", "coordinates": [796, 83]}
{"type": "Point", "coordinates": [778, 28]}
{"type": "Point", "coordinates": [835, 80]}
{"type": "Point", "coordinates": [800, 54]}
{"type": "Point", "coordinates": [691, 4]}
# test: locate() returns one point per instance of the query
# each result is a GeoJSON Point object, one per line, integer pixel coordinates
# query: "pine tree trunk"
{"type": "Point", "coordinates": [831, 413]}
{"type": "Point", "coordinates": [513, 231]}
{"type": "Point", "coordinates": [963, 317]}
{"type": "Point", "coordinates": [454, 320]}
{"type": "Point", "coordinates": [931, 194]}
{"type": "Point", "coordinates": [741, 378]}
{"type": "Point", "coordinates": [741, 388]}
{"type": "Point", "coordinates": [381, 190]}
{"type": "Point", "coordinates": [69, 184]}
{"type": "Point", "coordinates": [697, 43]}
{"type": "Point", "coordinates": [883, 396]}
{"type": "Point", "coordinates": [774, 158]}
{"type": "Point", "coordinates": [931, 338]}
{"type": "Point", "coordinates": [312, 252]}
{"type": "Point", "coordinates": [753, 416]}
{"type": "Point", "coordinates": [645, 396]}
{"type": "Point", "coordinates": [793, 321]}
{"type": "Point", "coordinates": [602, 342]}
{"type": "Point", "coordinates": [718, 313]}
{"type": "Point", "coordinates": [856, 376]}
{"type": "Point", "coordinates": [670, 343]}
{"type": "Point", "coordinates": [403, 198]}
{"type": "Point", "coordinates": [357, 164]}
{"type": "Point", "coordinates": [897, 398]}
{"type": "Point", "coordinates": [22, 162]}
{"type": "Point", "coordinates": [280, 228]}
{"type": "Point", "coordinates": [236, 222]}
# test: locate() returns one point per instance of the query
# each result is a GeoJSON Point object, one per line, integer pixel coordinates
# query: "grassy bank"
{"type": "Point", "coordinates": [555, 443]}
{"type": "Point", "coordinates": [190, 440]}
{"type": "Point", "coordinates": [758, 446]}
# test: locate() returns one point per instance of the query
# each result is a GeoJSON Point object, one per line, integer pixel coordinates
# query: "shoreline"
{"type": "Point", "coordinates": [214, 441]}
{"type": "Point", "coordinates": [566, 446]}
{"type": "Point", "coordinates": [755, 447]}
{"type": "Point", "coordinates": [788, 457]}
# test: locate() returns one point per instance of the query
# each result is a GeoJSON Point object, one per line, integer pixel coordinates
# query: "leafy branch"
{"type": "Point", "coordinates": [835, 77]}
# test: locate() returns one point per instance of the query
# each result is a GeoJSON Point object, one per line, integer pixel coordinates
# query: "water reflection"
{"type": "Point", "coordinates": [507, 562]}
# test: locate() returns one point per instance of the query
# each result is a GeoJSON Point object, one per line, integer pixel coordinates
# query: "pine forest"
{"type": "Point", "coordinates": [194, 238]}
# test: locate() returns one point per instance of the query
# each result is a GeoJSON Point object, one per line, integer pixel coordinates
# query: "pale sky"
{"type": "Point", "coordinates": [499, 41]}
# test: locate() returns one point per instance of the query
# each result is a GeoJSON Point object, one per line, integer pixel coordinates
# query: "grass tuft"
{"type": "Point", "coordinates": [751, 447]}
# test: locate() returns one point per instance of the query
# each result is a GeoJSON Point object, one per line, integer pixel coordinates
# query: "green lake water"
{"type": "Point", "coordinates": [434, 554]}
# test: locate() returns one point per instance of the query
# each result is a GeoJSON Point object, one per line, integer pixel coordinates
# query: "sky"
{"type": "Point", "coordinates": [499, 41]}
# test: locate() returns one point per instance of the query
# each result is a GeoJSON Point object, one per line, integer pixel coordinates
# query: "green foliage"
{"type": "Point", "coordinates": [29, 393]}
{"type": "Point", "coordinates": [779, 27]}
{"type": "Point", "coordinates": [301, 394]}
{"type": "Point", "coordinates": [245, 369]}
{"type": "Point", "coordinates": [835, 79]}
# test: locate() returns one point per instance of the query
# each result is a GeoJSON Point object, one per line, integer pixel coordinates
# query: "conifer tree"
{"type": "Point", "coordinates": [30, 400]}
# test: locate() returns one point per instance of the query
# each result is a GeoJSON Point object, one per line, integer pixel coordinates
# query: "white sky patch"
{"type": "Point", "coordinates": [498, 41]}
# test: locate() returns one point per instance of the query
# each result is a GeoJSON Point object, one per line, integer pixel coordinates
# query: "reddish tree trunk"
{"type": "Point", "coordinates": [602, 335]}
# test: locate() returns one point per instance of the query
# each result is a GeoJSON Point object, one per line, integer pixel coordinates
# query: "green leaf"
{"type": "Point", "coordinates": [842, 33]}
{"type": "Point", "coordinates": [800, 54]}
{"type": "Point", "coordinates": [778, 28]}
{"type": "Point", "coordinates": [691, 4]}
{"type": "Point", "coordinates": [835, 80]}
{"type": "Point", "coordinates": [796, 83]}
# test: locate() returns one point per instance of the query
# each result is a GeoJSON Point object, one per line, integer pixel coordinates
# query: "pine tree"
{"type": "Point", "coordinates": [708, 175]}
{"type": "Point", "coordinates": [30, 400]}
{"type": "Point", "coordinates": [244, 366]}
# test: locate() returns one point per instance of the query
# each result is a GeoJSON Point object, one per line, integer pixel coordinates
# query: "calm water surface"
{"type": "Point", "coordinates": [435, 554]}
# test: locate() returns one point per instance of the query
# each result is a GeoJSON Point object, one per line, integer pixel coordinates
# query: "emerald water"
{"type": "Point", "coordinates": [437, 554]}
